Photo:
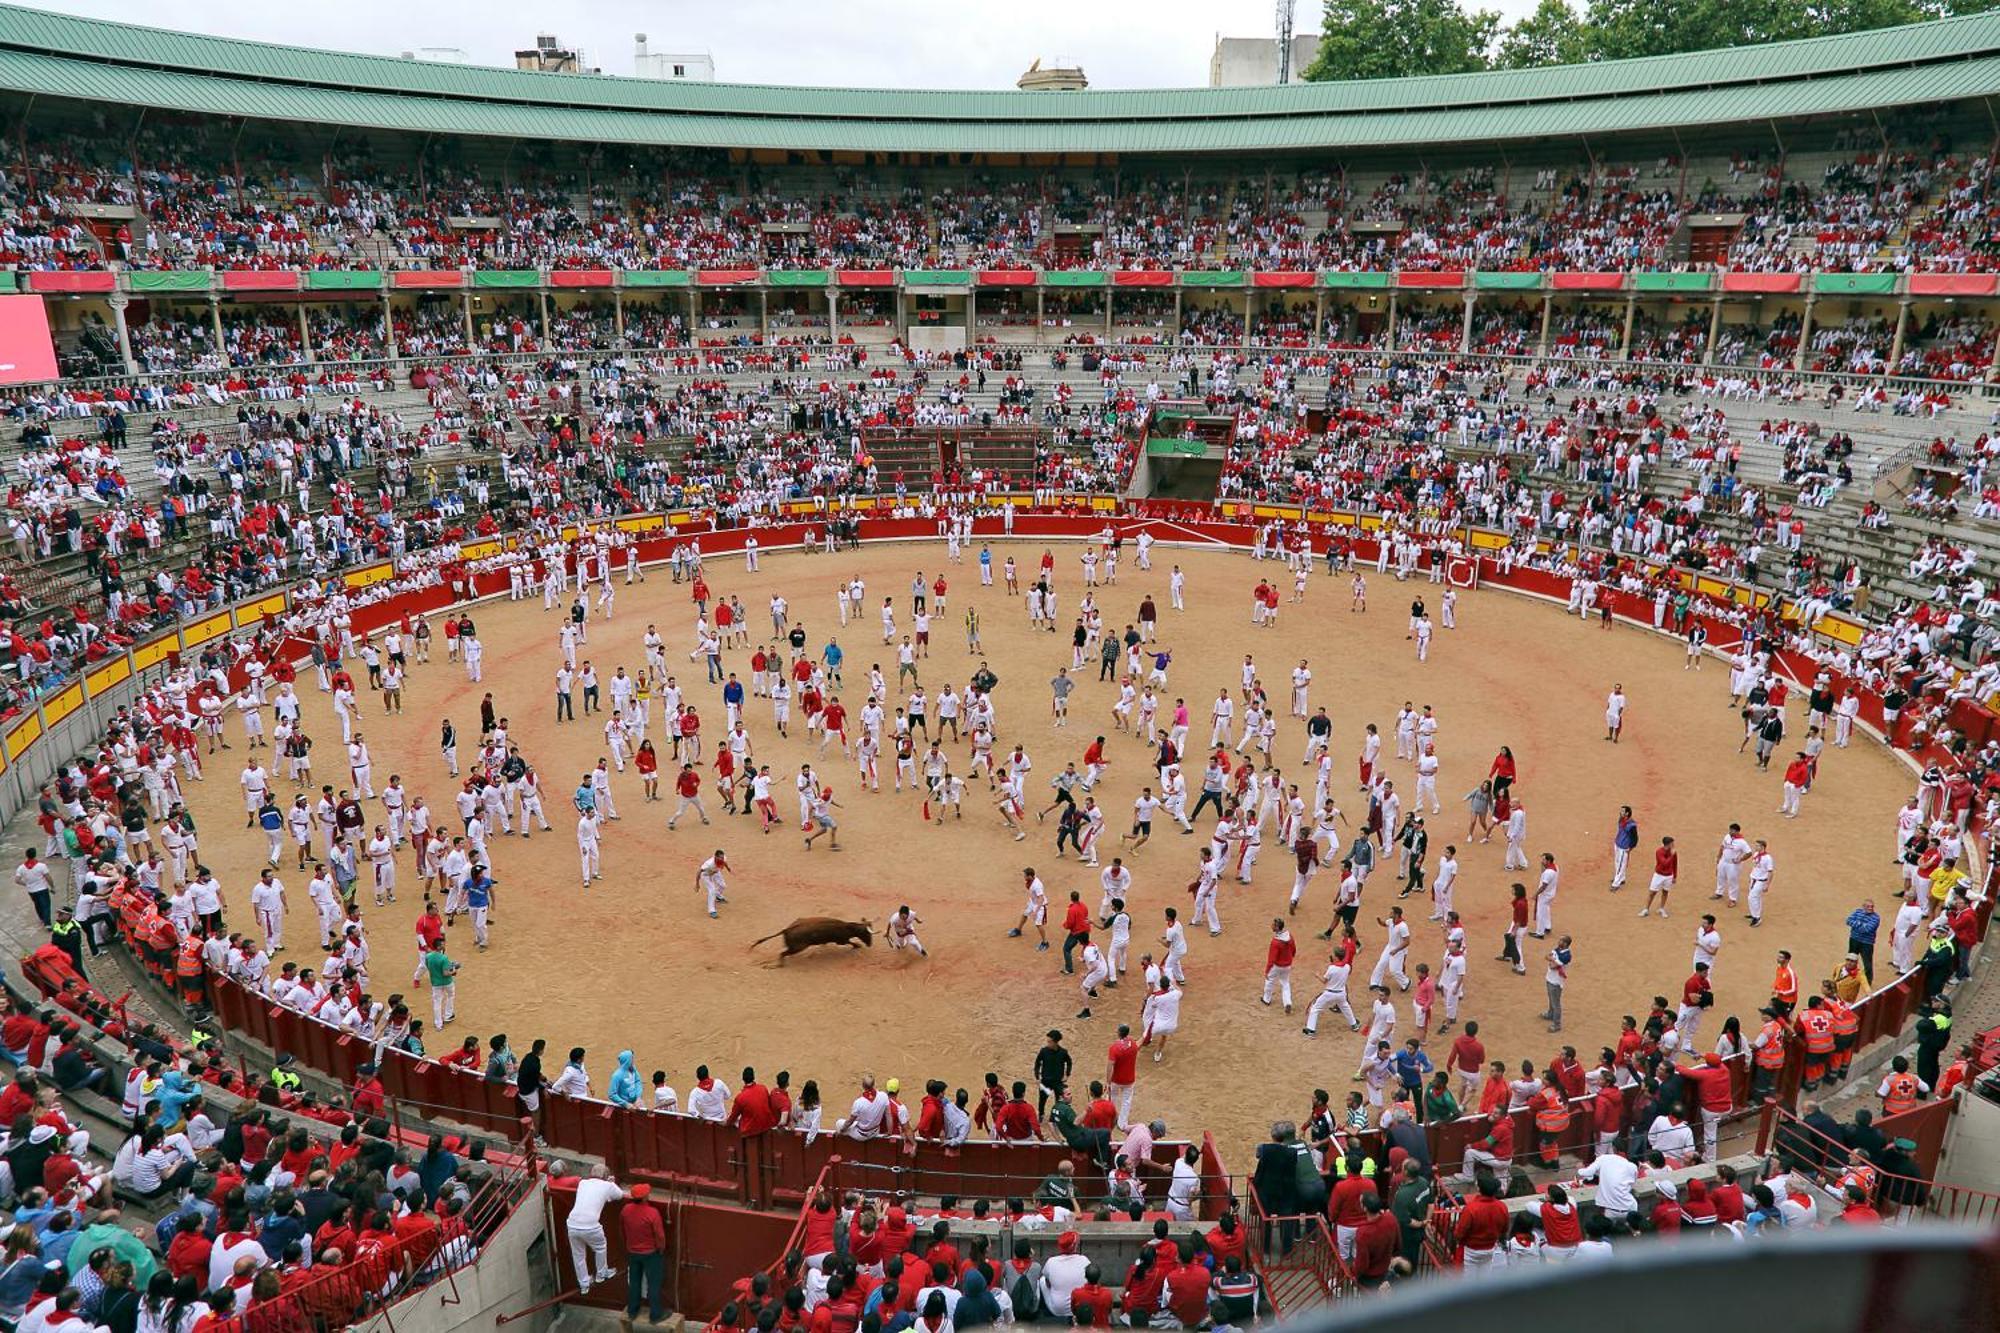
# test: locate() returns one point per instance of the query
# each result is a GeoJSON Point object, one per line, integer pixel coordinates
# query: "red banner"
{"type": "Point", "coordinates": [728, 277]}
{"type": "Point", "coordinates": [1953, 284]}
{"type": "Point", "coordinates": [580, 277]}
{"type": "Point", "coordinates": [1139, 277]}
{"type": "Point", "coordinates": [1283, 279]}
{"type": "Point", "coordinates": [27, 352]}
{"type": "Point", "coordinates": [1588, 282]}
{"type": "Point", "coordinates": [1007, 277]}
{"type": "Point", "coordinates": [259, 280]}
{"type": "Point", "coordinates": [72, 283]}
{"type": "Point", "coordinates": [1763, 282]}
{"type": "Point", "coordinates": [417, 279]}
{"type": "Point", "coordinates": [866, 277]}
{"type": "Point", "coordinates": [1429, 279]}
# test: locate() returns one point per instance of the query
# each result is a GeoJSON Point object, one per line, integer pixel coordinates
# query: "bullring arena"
{"type": "Point", "coordinates": [1516, 672]}
{"type": "Point", "coordinates": [1182, 603]}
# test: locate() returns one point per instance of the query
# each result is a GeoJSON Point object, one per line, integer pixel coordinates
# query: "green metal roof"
{"type": "Point", "coordinates": [64, 56]}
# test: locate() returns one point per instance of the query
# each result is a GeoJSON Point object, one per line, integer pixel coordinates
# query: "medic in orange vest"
{"type": "Point", "coordinates": [1816, 1030]}
{"type": "Point", "coordinates": [1901, 1090]}
{"type": "Point", "coordinates": [1551, 1108]}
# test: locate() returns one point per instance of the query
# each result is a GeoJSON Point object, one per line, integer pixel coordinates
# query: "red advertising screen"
{"type": "Point", "coordinates": [27, 353]}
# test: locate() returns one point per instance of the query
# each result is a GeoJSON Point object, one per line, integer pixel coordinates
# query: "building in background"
{"type": "Point", "coordinates": [1251, 62]}
{"type": "Point", "coordinates": [691, 66]}
{"type": "Point", "coordinates": [549, 56]}
{"type": "Point", "coordinates": [1057, 78]}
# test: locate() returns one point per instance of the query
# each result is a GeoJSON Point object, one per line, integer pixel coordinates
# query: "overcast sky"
{"type": "Point", "coordinates": [857, 43]}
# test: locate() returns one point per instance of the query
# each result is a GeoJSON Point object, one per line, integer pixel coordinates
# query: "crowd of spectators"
{"type": "Point", "coordinates": [186, 197]}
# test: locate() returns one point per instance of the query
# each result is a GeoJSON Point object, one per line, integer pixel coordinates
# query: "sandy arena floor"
{"type": "Point", "coordinates": [634, 961]}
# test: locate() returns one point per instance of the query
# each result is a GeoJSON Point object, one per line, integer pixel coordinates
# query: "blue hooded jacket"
{"type": "Point", "coordinates": [625, 1082]}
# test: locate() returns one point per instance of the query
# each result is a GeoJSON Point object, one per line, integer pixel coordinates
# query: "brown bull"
{"type": "Point", "coordinates": [809, 931]}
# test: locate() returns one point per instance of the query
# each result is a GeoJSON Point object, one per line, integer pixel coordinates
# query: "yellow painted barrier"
{"type": "Point", "coordinates": [202, 631]}
{"type": "Point", "coordinates": [156, 651]}
{"type": "Point", "coordinates": [644, 523]}
{"type": "Point", "coordinates": [21, 737]}
{"type": "Point", "coordinates": [369, 575]}
{"type": "Point", "coordinates": [251, 614]}
{"type": "Point", "coordinates": [62, 703]}
{"type": "Point", "coordinates": [102, 679]}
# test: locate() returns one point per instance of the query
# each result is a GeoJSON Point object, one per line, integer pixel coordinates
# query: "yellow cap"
{"type": "Point", "coordinates": [894, 1085]}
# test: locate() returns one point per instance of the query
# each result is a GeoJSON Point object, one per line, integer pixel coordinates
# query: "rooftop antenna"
{"type": "Point", "coordinates": [1285, 40]}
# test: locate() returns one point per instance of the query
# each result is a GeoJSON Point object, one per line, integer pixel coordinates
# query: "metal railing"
{"type": "Point", "coordinates": [1314, 361]}
{"type": "Point", "coordinates": [1296, 1257]}
{"type": "Point", "coordinates": [382, 1272]}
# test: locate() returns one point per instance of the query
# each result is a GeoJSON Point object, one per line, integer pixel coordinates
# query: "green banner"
{"type": "Point", "coordinates": [1342, 279]}
{"type": "Point", "coordinates": [9, 281]}
{"type": "Point", "coordinates": [1228, 277]}
{"type": "Point", "coordinates": [507, 277]}
{"type": "Point", "coordinates": [798, 277]}
{"type": "Point", "coordinates": [937, 277]}
{"type": "Point", "coordinates": [1510, 282]}
{"type": "Point", "coordinates": [1075, 277]}
{"type": "Point", "coordinates": [1174, 446]}
{"type": "Point", "coordinates": [343, 280]}
{"type": "Point", "coordinates": [1673, 282]}
{"type": "Point", "coordinates": [1854, 284]}
{"type": "Point", "coordinates": [200, 280]}
{"type": "Point", "coordinates": [656, 277]}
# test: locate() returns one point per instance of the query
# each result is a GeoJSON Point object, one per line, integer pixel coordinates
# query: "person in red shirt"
{"type": "Point", "coordinates": [816, 1236]}
{"type": "Point", "coordinates": [1143, 1283]}
{"type": "Point", "coordinates": [1076, 930]}
{"type": "Point", "coordinates": [188, 1255]}
{"type": "Point", "coordinates": [1858, 1212]}
{"type": "Point", "coordinates": [897, 1232]}
{"type": "Point", "coordinates": [1122, 1071]}
{"type": "Point", "coordinates": [1090, 1304]}
{"type": "Point", "coordinates": [942, 1253]}
{"type": "Point", "coordinates": [1714, 1096]}
{"type": "Point", "coordinates": [1466, 1058]}
{"type": "Point", "coordinates": [1375, 1244]}
{"type": "Point", "coordinates": [751, 1111]}
{"type": "Point", "coordinates": [687, 786]}
{"type": "Point", "coordinates": [1666, 1217]}
{"type": "Point", "coordinates": [1100, 1113]}
{"type": "Point", "coordinates": [1493, 1092]}
{"type": "Point", "coordinates": [1496, 1150]}
{"type": "Point", "coordinates": [1226, 1238]}
{"type": "Point", "coordinates": [1482, 1225]}
{"type": "Point", "coordinates": [466, 1056]}
{"type": "Point", "coordinates": [369, 1098]}
{"type": "Point", "coordinates": [1727, 1195]}
{"type": "Point", "coordinates": [1187, 1287]}
{"type": "Point", "coordinates": [1569, 1072]}
{"type": "Point", "coordinates": [1016, 1121]}
{"type": "Point", "coordinates": [1344, 1207]}
{"type": "Point", "coordinates": [1562, 1224]}
{"type": "Point", "coordinates": [648, 764]}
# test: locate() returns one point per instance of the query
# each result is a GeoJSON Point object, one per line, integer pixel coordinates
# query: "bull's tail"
{"type": "Point", "coordinates": [767, 939]}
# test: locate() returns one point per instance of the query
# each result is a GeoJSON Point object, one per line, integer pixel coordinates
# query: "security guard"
{"type": "Point", "coordinates": [1933, 1038]}
{"type": "Point", "coordinates": [67, 934]}
{"type": "Point", "coordinates": [283, 1081]}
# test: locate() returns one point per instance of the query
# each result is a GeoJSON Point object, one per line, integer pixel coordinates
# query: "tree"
{"type": "Point", "coordinates": [1621, 28]}
{"type": "Point", "coordinates": [1553, 35]}
{"type": "Point", "coordinates": [1386, 39]}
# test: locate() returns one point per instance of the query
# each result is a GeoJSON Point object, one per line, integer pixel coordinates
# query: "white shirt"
{"type": "Point", "coordinates": [864, 1118]}
{"type": "Point", "coordinates": [1613, 1176]}
{"type": "Point", "coordinates": [591, 1196]}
